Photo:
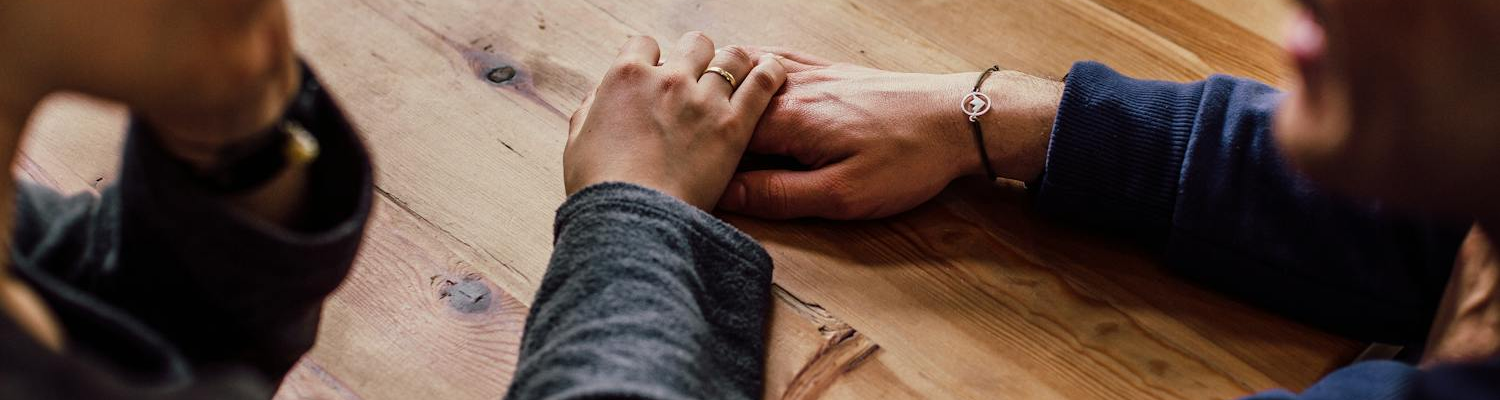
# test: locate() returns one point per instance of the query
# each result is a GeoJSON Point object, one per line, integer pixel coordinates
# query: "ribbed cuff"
{"type": "Point", "coordinates": [1117, 148]}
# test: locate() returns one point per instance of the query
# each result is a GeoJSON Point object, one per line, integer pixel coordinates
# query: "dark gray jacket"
{"type": "Point", "coordinates": [646, 297]}
{"type": "Point", "coordinates": [164, 291]}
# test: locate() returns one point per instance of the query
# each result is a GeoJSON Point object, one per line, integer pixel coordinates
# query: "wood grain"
{"type": "Point", "coordinates": [969, 296]}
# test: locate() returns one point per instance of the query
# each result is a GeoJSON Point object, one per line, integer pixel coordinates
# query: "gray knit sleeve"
{"type": "Point", "coordinates": [645, 297]}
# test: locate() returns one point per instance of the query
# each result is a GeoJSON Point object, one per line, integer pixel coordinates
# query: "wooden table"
{"type": "Point", "coordinates": [969, 296]}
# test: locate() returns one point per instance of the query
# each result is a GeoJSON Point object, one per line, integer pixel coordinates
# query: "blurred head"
{"type": "Point", "coordinates": [1398, 100]}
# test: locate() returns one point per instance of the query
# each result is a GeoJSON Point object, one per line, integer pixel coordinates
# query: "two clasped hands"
{"type": "Point", "coordinates": [1189, 168]}
{"type": "Point", "coordinates": [877, 142]}
{"type": "Point", "coordinates": [648, 296]}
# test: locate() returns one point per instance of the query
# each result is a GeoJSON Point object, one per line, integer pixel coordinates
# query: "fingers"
{"type": "Point", "coordinates": [692, 53]}
{"type": "Point", "coordinates": [782, 194]}
{"type": "Point", "coordinates": [760, 85]}
{"type": "Point", "coordinates": [732, 59]}
{"type": "Point", "coordinates": [575, 122]}
{"type": "Point", "coordinates": [798, 58]}
{"type": "Point", "coordinates": [790, 131]}
{"type": "Point", "coordinates": [791, 65]}
{"type": "Point", "coordinates": [640, 50]}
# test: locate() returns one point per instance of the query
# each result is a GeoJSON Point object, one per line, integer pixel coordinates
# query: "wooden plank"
{"type": "Point", "coordinates": [447, 37]}
{"type": "Point", "coordinates": [812, 354]}
{"type": "Point", "coordinates": [416, 318]}
{"type": "Point", "coordinates": [308, 380]}
{"type": "Point", "coordinates": [1268, 19]}
{"type": "Point", "coordinates": [72, 143]}
{"type": "Point", "coordinates": [479, 161]}
{"type": "Point", "coordinates": [1081, 297]}
{"type": "Point", "coordinates": [1227, 47]}
{"type": "Point", "coordinates": [970, 296]}
{"type": "Point", "coordinates": [1001, 311]}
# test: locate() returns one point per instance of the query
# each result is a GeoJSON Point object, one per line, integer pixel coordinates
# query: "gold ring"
{"type": "Point", "coordinates": [733, 83]}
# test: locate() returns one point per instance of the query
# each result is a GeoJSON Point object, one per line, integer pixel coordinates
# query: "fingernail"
{"type": "Point", "coordinates": [734, 198]}
{"type": "Point", "coordinates": [766, 58]}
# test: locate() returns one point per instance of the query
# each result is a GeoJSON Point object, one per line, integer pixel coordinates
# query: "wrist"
{"type": "Point", "coordinates": [941, 114]}
{"type": "Point", "coordinates": [1018, 127]}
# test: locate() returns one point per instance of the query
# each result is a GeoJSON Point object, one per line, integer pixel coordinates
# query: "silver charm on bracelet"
{"type": "Point", "coordinates": [975, 104]}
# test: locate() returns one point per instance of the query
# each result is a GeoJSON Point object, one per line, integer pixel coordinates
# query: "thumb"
{"type": "Point", "coordinates": [784, 194]}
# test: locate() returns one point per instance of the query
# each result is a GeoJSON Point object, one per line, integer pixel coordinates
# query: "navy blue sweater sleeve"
{"type": "Point", "coordinates": [1191, 169]}
{"type": "Point", "coordinates": [1389, 380]}
{"type": "Point", "coordinates": [1372, 380]}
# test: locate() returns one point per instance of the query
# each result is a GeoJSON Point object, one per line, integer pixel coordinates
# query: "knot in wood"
{"type": "Point", "coordinates": [501, 74]}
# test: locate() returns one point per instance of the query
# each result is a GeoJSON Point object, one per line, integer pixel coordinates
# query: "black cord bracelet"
{"type": "Point", "coordinates": [976, 104]}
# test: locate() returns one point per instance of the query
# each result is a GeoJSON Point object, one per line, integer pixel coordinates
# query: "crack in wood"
{"type": "Point", "coordinates": [843, 349]}
{"type": "Point", "coordinates": [512, 149]}
{"type": "Point", "coordinates": [840, 354]}
{"type": "Point", "coordinates": [308, 374]}
{"type": "Point", "coordinates": [812, 311]}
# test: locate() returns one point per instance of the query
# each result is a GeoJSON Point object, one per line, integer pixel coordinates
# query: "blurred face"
{"type": "Point", "coordinates": [1398, 100]}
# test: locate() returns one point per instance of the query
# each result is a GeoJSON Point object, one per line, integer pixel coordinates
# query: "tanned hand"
{"type": "Point", "coordinates": [879, 142]}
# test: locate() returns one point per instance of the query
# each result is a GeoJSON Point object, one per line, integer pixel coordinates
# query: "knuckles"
{"type": "Point", "coordinates": [627, 72]}
{"type": "Point", "coordinates": [761, 81]}
{"type": "Point", "coordinates": [679, 94]}
{"type": "Point", "coordinates": [699, 37]}
{"type": "Point", "coordinates": [736, 55]}
{"type": "Point", "coordinates": [732, 120]}
{"type": "Point", "coordinates": [841, 202]}
{"type": "Point", "coordinates": [672, 82]}
{"type": "Point", "coordinates": [844, 198]}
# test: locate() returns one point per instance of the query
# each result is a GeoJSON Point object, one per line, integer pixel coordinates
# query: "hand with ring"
{"type": "Point", "coordinates": [679, 127]}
